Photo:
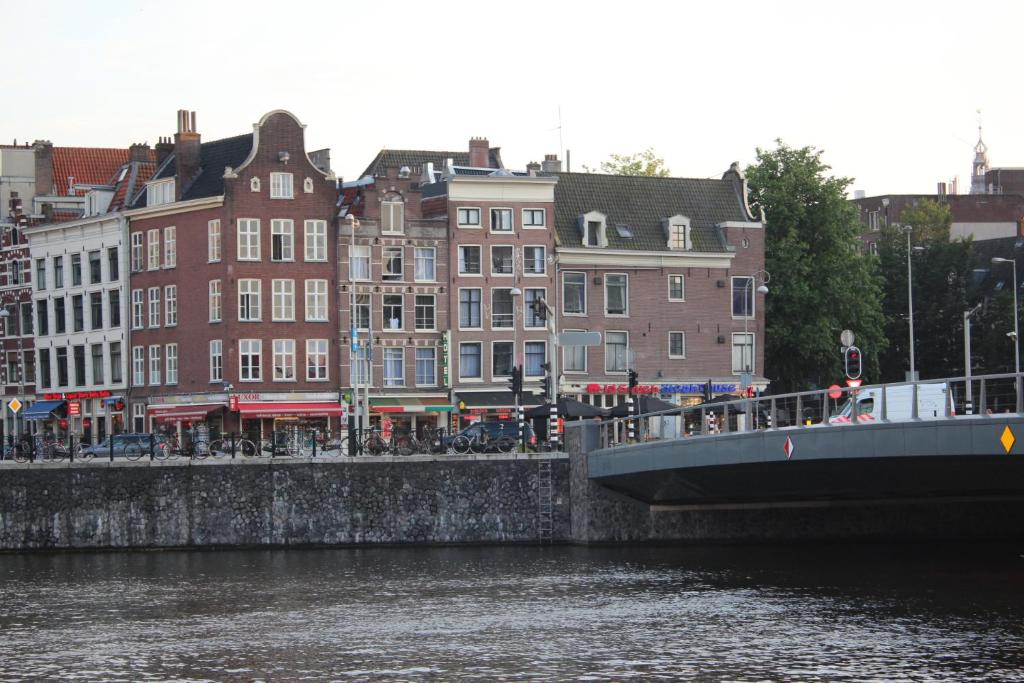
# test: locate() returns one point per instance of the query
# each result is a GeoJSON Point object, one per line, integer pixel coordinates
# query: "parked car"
{"type": "Point", "coordinates": [125, 444]}
{"type": "Point", "coordinates": [496, 431]}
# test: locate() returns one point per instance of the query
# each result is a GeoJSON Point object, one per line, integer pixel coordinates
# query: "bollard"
{"type": "Point", "coordinates": [232, 445]}
{"type": "Point", "coordinates": [152, 441]}
{"type": "Point", "coordinates": [314, 443]}
{"type": "Point", "coordinates": [111, 439]}
{"type": "Point", "coordinates": [71, 448]}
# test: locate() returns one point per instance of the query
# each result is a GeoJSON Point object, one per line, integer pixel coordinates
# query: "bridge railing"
{"type": "Point", "coordinates": [947, 398]}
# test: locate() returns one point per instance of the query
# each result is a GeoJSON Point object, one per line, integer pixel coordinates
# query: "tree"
{"type": "Point", "coordinates": [820, 283]}
{"type": "Point", "coordinates": [644, 163]}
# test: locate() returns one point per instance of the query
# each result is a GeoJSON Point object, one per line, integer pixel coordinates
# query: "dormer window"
{"type": "Point", "coordinates": [392, 214]}
{"type": "Point", "coordinates": [593, 227]}
{"type": "Point", "coordinates": [254, 184]}
{"type": "Point", "coordinates": [677, 233]}
{"type": "Point", "coordinates": [160, 192]}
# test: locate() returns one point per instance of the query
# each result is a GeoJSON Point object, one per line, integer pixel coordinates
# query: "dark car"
{"type": "Point", "coordinates": [130, 445]}
{"type": "Point", "coordinates": [497, 431]}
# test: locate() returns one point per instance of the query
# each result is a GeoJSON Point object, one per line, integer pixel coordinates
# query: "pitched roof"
{"type": "Point", "coordinates": [84, 166]}
{"type": "Point", "coordinates": [397, 158]}
{"type": "Point", "coordinates": [641, 203]}
{"type": "Point", "coordinates": [136, 173]}
{"type": "Point", "coordinates": [214, 156]}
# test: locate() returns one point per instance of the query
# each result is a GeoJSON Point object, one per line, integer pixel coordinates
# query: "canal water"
{"type": "Point", "coordinates": [790, 613]}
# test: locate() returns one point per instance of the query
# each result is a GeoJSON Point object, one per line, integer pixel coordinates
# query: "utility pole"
{"type": "Point", "coordinates": [967, 357]}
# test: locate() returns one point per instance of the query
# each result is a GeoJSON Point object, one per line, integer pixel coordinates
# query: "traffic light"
{"type": "Point", "coordinates": [852, 360]}
{"type": "Point", "coordinates": [633, 377]}
{"type": "Point", "coordinates": [515, 382]}
{"type": "Point", "coordinates": [707, 391]}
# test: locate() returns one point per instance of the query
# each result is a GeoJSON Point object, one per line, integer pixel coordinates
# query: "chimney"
{"type": "Point", "coordinates": [551, 164]}
{"type": "Point", "coordinates": [532, 168]}
{"type": "Point", "coordinates": [859, 194]}
{"type": "Point", "coordinates": [44, 167]}
{"type": "Point", "coordinates": [479, 153]}
{"type": "Point", "coordinates": [139, 152]}
{"type": "Point", "coordinates": [186, 151]}
{"type": "Point", "coordinates": [942, 190]}
{"type": "Point", "coordinates": [164, 148]}
{"type": "Point", "coordinates": [321, 158]}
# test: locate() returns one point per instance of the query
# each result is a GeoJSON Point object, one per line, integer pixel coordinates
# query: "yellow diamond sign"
{"type": "Point", "coordinates": [1007, 439]}
{"type": "Point", "coordinates": [15, 406]}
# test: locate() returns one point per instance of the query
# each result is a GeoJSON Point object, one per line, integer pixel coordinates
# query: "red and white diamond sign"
{"type": "Point", "coordinates": [789, 448]}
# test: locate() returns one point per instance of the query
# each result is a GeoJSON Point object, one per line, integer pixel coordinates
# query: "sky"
{"type": "Point", "coordinates": [890, 91]}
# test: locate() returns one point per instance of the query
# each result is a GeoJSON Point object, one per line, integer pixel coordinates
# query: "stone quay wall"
{"type": "Point", "coordinates": [176, 504]}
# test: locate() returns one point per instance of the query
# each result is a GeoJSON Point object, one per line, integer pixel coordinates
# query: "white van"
{"type": "Point", "coordinates": [932, 403]}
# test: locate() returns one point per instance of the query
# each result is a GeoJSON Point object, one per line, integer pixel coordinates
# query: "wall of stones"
{"type": "Point", "coordinates": [175, 504]}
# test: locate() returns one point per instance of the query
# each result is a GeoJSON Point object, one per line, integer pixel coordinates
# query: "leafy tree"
{"type": "Point", "coordinates": [645, 163]}
{"type": "Point", "coordinates": [820, 284]}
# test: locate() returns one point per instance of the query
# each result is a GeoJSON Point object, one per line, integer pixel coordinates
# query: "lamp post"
{"type": "Point", "coordinates": [515, 293]}
{"type": "Point", "coordinates": [764, 277]}
{"type": "Point", "coordinates": [355, 417]}
{"type": "Point", "coordinates": [1016, 335]}
{"type": "Point", "coordinates": [967, 356]}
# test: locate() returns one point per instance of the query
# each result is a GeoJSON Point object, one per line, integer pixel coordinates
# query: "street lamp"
{"type": "Point", "coordinates": [356, 416]}
{"type": "Point", "coordinates": [909, 229]}
{"type": "Point", "coordinates": [1016, 334]}
{"type": "Point", "coordinates": [515, 293]}
{"type": "Point", "coordinates": [764, 277]}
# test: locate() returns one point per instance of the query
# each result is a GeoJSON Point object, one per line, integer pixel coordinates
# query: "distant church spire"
{"type": "Point", "coordinates": [980, 166]}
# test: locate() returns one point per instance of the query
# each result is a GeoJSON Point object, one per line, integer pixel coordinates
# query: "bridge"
{"type": "Point", "coordinates": [896, 450]}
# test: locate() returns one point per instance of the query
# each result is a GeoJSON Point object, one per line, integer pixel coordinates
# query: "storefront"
{"type": "Point", "coordinates": [259, 415]}
{"type": "Point", "coordinates": [186, 417]}
{"type": "Point", "coordinates": [90, 415]}
{"type": "Point", "coordinates": [489, 406]}
{"type": "Point", "coordinates": [49, 416]}
{"type": "Point", "coordinates": [418, 415]}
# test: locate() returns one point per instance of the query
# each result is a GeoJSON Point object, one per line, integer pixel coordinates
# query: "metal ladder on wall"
{"type": "Point", "coordinates": [545, 513]}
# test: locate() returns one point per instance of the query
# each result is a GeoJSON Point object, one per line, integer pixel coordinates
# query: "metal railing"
{"type": "Point", "coordinates": [955, 397]}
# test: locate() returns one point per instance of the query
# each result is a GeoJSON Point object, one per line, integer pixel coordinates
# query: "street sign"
{"type": "Point", "coordinates": [579, 339]}
{"type": "Point", "coordinates": [835, 392]}
{"type": "Point", "coordinates": [846, 338]}
{"type": "Point", "coordinates": [14, 406]}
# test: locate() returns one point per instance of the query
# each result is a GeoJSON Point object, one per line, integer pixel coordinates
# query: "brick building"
{"type": "Point", "coordinates": [233, 274]}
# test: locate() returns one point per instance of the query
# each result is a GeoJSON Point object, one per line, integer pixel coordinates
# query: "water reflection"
{"type": "Point", "coordinates": [861, 613]}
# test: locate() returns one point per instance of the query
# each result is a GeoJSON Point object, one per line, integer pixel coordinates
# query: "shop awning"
{"type": "Point", "coordinates": [286, 409]}
{"type": "Point", "coordinates": [495, 399]}
{"type": "Point", "coordinates": [43, 410]}
{"type": "Point", "coordinates": [181, 413]}
{"type": "Point", "coordinates": [111, 400]}
{"type": "Point", "coordinates": [410, 404]}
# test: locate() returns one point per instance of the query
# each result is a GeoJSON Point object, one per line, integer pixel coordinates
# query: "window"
{"type": "Point", "coordinates": [282, 240]}
{"type": "Point", "coordinates": [58, 271]}
{"type": "Point", "coordinates": [469, 308]}
{"type": "Point", "coordinates": [502, 260]}
{"type": "Point", "coordinates": [44, 368]}
{"type": "Point", "coordinates": [95, 268]}
{"type": "Point", "coordinates": [426, 312]}
{"type": "Point", "coordinates": [501, 359]}
{"type": "Point", "coordinates": [62, 366]}
{"type": "Point", "coordinates": [154, 364]}
{"type": "Point", "coordinates": [282, 300]}
{"type": "Point", "coordinates": [138, 310]}
{"type": "Point", "coordinates": [534, 262]}
{"type": "Point", "coordinates": [873, 223]}
{"type": "Point", "coordinates": [574, 293]}
{"type": "Point", "coordinates": [392, 312]}
{"type": "Point", "coordinates": [113, 265]}
{"type": "Point", "coordinates": [315, 233]}
{"type": "Point", "coordinates": [533, 218]}
{"type": "Point", "coordinates": [170, 247]}
{"type": "Point", "coordinates": [501, 220]}
{"type": "Point", "coordinates": [153, 249]}
{"type": "Point", "coordinates": [138, 366]}
{"type": "Point", "coordinates": [595, 231]}
{"type": "Point", "coordinates": [248, 300]}
{"type": "Point", "coordinates": [78, 313]}
{"type": "Point", "coordinates": [616, 295]}
{"type": "Point", "coordinates": [60, 318]}
{"type": "Point", "coordinates": [743, 297]}
{"type": "Point", "coordinates": [677, 345]}
{"type": "Point", "coordinates": [248, 239]}
{"type": "Point", "coordinates": [79, 353]}
{"type": "Point", "coordinates": [534, 312]}
{"type": "Point", "coordinates": [215, 302]}
{"type": "Point", "coordinates": [136, 251]}
{"type": "Point", "coordinates": [469, 217]}
{"type": "Point", "coordinates": [161, 192]}
{"type": "Point", "coordinates": [502, 309]}
{"type": "Point", "coordinates": [76, 269]}
{"type": "Point", "coordinates": [360, 368]}
{"type": "Point", "coordinates": [392, 263]}
{"type": "Point", "coordinates": [359, 263]}
{"type": "Point", "coordinates": [426, 367]}
{"type": "Point", "coordinates": [392, 214]}
{"type": "Point", "coordinates": [114, 304]}
{"type": "Point", "coordinates": [316, 300]}
{"type": "Point", "coordinates": [213, 241]}
{"type": "Point", "coordinates": [282, 186]}
{"type": "Point", "coordinates": [873, 248]}
{"type": "Point", "coordinates": [469, 260]}
{"type": "Point", "coordinates": [96, 311]}
{"type": "Point", "coordinates": [284, 360]}
{"type": "Point", "coordinates": [316, 360]}
{"type": "Point", "coordinates": [249, 354]}
{"type": "Point", "coordinates": [616, 345]}
{"type": "Point", "coordinates": [679, 236]}
{"type": "Point", "coordinates": [574, 358]}
{"type": "Point", "coordinates": [536, 357]}
{"type": "Point", "coordinates": [362, 311]}
{"type": "Point", "coordinates": [171, 305]}
{"type": "Point", "coordinates": [394, 367]}
{"type": "Point", "coordinates": [426, 270]}
{"type": "Point", "coordinates": [216, 360]}
{"type": "Point", "coordinates": [742, 351]}
{"type": "Point", "coordinates": [26, 318]}
{"type": "Point", "coordinates": [42, 317]}
{"type": "Point", "coordinates": [40, 274]}
{"type": "Point", "coordinates": [115, 363]}
{"type": "Point", "coordinates": [172, 363]}
{"type": "Point", "coordinates": [469, 360]}
{"type": "Point", "coordinates": [154, 307]}
{"type": "Point", "coordinates": [676, 289]}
